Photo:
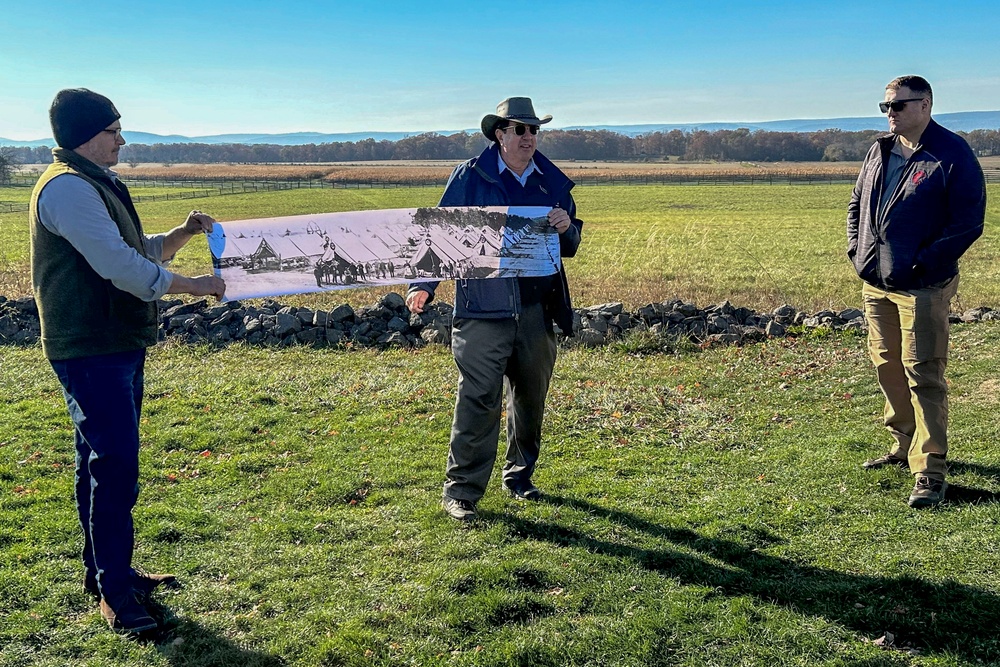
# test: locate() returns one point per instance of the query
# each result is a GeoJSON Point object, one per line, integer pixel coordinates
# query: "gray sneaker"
{"type": "Point", "coordinates": [459, 509]}
{"type": "Point", "coordinates": [927, 492]}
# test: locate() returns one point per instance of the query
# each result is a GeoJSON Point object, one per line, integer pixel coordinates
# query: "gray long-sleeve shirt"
{"type": "Point", "coordinates": [71, 208]}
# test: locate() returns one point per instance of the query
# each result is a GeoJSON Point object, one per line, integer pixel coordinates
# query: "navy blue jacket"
{"type": "Point", "coordinates": [477, 182]}
{"type": "Point", "coordinates": [930, 220]}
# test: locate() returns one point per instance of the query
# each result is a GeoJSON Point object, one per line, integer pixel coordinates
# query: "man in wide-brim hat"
{"type": "Point", "coordinates": [503, 327]}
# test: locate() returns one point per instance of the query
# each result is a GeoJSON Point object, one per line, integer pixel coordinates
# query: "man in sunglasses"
{"type": "Point", "coordinates": [918, 205]}
{"type": "Point", "coordinates": [96, 277]}
{"type": "Point", "coordinates": [502, 333]}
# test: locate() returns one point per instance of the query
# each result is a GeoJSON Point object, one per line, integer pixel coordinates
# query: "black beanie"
{"type": "Point", "coordinates": [78, 114]}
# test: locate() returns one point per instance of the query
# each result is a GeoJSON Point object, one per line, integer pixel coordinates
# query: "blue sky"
{"type": "Point", "coordinates": [216, 67]}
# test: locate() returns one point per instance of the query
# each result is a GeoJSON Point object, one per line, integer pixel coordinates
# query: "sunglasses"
{"type": "Point", "coordinates": [896, 105]}
{"type": "Point", "coordinates": [519, 129]}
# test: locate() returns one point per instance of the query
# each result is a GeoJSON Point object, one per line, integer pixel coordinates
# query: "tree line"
{"type": "Point", "coordinates": [724, 145]}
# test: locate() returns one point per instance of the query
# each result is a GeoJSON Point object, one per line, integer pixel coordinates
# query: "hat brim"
{"type": "Point", "coordinates": [490, 122]}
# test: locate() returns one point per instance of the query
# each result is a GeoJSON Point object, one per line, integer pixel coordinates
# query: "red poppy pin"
{"type": "Point", "coordinates": [919, 177]}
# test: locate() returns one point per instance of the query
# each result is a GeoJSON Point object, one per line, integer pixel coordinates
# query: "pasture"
{"type": "Point", "coordinates": [705, 508]}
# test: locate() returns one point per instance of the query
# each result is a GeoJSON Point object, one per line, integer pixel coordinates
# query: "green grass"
{"type": "Point", "coordinates": [758, 246]}
{"type": "Point", "coordinates": [702, 509]}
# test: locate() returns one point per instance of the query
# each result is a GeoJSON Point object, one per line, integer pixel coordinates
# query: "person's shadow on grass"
{"type": "Point", "coordinates": [938, 618]}
{"type": "Point", "coordinates": [964, 494]}
{"type": "Point", "coordinates": [188, 643]}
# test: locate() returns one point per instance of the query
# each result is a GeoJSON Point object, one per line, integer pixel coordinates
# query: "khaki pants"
{"type": "Point", "coordinates": [908, 343]}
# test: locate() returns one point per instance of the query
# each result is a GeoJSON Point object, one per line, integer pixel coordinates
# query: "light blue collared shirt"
{"type": "Point", "coordinates": [523, 178]}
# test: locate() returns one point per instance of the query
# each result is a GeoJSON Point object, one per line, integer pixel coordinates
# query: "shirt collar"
{"type": "Point", "coordinates": [523, 178]}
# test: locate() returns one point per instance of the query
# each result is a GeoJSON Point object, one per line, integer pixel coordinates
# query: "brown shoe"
{"type": "Point", "coordinates": [129, 618]}
{"type": "Point", "coordinates": [927, 492]}
{"type": "Point", "coordinates": [883, 461]}
{"type": "Point", "coordinates": [143, 583]}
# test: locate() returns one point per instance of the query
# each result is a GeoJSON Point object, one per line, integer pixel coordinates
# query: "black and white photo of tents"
{"type": "Point", "coordinates": [308, 253]}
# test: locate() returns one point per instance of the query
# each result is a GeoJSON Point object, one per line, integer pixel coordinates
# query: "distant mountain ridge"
{"type": "Point", "coordinates": [963, 121]}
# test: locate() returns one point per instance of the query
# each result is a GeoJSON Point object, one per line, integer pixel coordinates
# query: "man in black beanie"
{"type": "Point", "coordinates": [96, 277]}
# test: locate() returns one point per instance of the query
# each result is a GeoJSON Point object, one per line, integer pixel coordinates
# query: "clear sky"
{"type": "Point", "coordinates": [217, 66]}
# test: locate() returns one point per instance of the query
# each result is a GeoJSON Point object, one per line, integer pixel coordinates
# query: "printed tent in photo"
{"type": "Point", "coordinates": [485, 241]}
{"type": "Point", "coordinates": [352, 249]}
{"type": "Point", "coordinates": [435, 249]}
{"type": "Point", "coordinates": [279, 252]}
{"type": "Point", "coordinates": [236, 251]}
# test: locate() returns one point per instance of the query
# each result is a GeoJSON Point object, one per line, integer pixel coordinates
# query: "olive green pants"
{"type": "Point", "coordinates": [908, 343]}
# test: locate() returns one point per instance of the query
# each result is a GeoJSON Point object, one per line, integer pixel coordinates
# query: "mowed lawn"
{"type": "Point", "coordinates": [705, 508]}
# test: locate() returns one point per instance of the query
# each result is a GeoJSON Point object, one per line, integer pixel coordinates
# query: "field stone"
{"type": "Point", "coordinates": [342, 313]}
{"type": "Point", "coordinates": [8, 327]}
{"type": "Point", "coordinates": [398, 324]}
{"type": "Point", "coordinates": [595, 323]}
{"type": "Point", "coordinates": [308, 336]}
{"type": "Point", "coordinates": [287, 324]}
{"type": "Point", "coordinates": [591, 338]}
{"type": "Point", "coordinates": [773, 329]}
{"type": "Point", "coordinates": [393, 300]}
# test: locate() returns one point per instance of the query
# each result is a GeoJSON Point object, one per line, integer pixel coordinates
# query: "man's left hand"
{"type": "Point", "coordinates": [559, 220]}
{"type": "Point", "coordinates": [198, 223]}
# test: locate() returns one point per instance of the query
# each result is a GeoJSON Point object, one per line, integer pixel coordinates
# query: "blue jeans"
{"type": "Point", "coordinates": [104, 397]}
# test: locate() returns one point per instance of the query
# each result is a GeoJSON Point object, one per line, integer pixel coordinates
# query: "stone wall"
{"type": "Point", "coordinates": [388, 323]}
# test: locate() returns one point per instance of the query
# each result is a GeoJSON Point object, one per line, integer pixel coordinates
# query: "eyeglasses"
{"type": "Point", "coordinates": [117, 133]}
{"type": "Point", "coordinates": [897, 105]}
{"type": "Point", "coordinates": [520, 129]}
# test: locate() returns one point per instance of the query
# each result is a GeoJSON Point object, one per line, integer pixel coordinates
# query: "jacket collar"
{"type": "Point", "coordinates": [930, 135]}
{"type": "Point", "coordinates": [487, 164]}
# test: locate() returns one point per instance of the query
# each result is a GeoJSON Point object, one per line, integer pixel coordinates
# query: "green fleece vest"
{"type": "Point", "coordinates": [82, 314]}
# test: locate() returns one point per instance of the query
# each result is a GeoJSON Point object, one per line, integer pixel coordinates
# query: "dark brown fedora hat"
{"type": "Point", "coordinates": [518, 109]}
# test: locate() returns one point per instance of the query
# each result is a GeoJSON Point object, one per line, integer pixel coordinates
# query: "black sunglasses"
{"type": "Point", "coordinates": [520, 129]}
{"type": "Point", "coordinates": [896, 105]}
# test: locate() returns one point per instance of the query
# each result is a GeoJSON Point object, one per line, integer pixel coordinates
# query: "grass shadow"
{"type": "Point", "coordinates": [932, 616]}
{"type": "Point", "coordinates": [964, 494]}
{"type": "Point", "coordinates": [190, 644]}
{"type": "Point", "coordinates": [959, 467]}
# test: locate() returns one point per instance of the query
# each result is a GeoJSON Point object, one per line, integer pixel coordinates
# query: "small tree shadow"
{"type": "Point", "coordinates": [933, 616]}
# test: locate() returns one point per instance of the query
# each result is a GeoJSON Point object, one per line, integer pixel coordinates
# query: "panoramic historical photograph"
{"type": "Point", "coordinates": [331, 251]}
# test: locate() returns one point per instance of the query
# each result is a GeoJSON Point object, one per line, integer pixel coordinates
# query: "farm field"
{"type": "Point", "coordinates": [758, 246]}
{"type": "Point", "coordinates": [701, 508]}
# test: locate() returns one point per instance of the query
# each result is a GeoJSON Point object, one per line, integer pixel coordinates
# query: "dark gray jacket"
{"type": "Point", "coordinates": [931, 219]}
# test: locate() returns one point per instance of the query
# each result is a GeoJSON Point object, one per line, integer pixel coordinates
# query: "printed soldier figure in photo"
{"type": "Point", "coordinates": [502, 334]}
{"type": "Point", "coordinates": [919, 203]}
{"type": "Point", "coordinates": [96, 278]}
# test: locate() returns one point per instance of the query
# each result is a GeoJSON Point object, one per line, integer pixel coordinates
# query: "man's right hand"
{"type": "Point", "coordinates": [208, 285]}
{"type": "Point", "coordinates": [416, 301]}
